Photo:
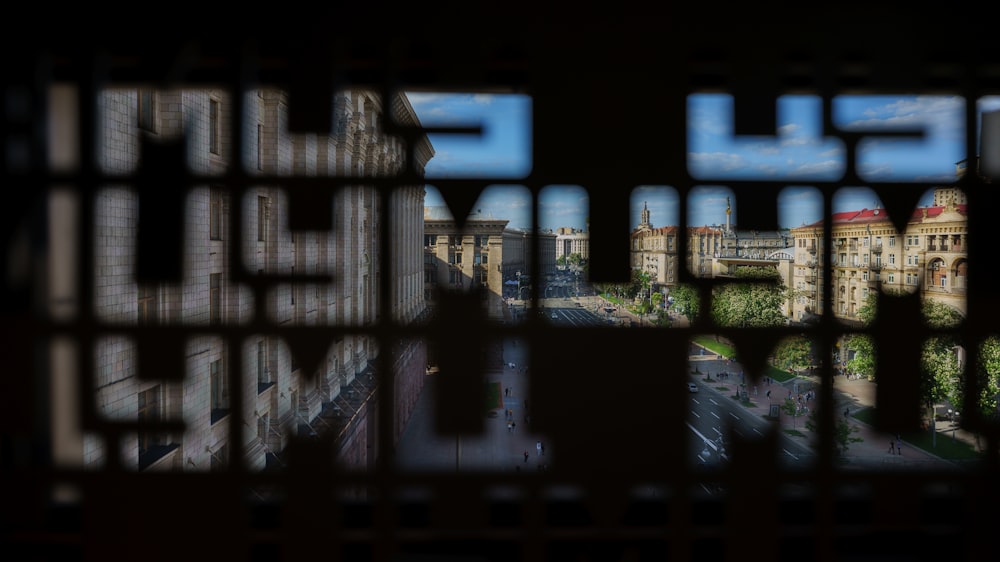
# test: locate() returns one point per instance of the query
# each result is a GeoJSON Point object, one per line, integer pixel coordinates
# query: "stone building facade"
{"type": "Point", "coordinates": [572, 241]}
{"type": "Point", "coordinates": [464, 259]}
{"type": "Point", "coordinates": [868, 254]}
{"type": "Point", "coordinates": [278, 399]}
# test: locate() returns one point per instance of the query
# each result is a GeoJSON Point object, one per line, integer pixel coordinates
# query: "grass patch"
{"type": "Point", "coordinates": [778, 374]}
{"type": "Point", "coordinates": [945, 447]}
{"type": "Point", "coordinates": [491, 396]}
{"type": "Point", "coordinates": [722, 388]}
{"type": "Point", "coordinates": [726, 350]}
{"type": "Point", "coordinates": [795, 432]}
{"type": "Point", "coordinates": [710, 344]}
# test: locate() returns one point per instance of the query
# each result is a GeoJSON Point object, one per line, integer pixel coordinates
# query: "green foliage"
{"type": "Point", "coordinates": [794, 352]}
{"type": "Point", "coordinates": [790, 408]}
{"type": "Point", "coordinates": [864, 356]}
{"type": "Point", "coordinates": [687, 301]}
{"type": "Point", "coordinates": [989, 369]}
{"type": "Point", "coordinates": [940, 315]}
{"type": "Point", "coordinates": [757, 272]}
{"type": "Point", "coordinates": [749, 305]}
{"type": "Point", "coordinates": [656, 299]}
{"type": "Point", "coordinates": [941, 376]}
{"type": "Point", "coordinates": [936, 314]}
{"type": "Point", "coordinates": [843, 432]}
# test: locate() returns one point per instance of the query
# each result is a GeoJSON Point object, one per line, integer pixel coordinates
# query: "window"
{"type": "Point", "coordinates": [213, 126]}
{"type": "Point", "coordinates": [892, 258]}
{"type": "Point", "coordinates": [147, 309]}
{"type": "Point", "coordinates": [485, 258]}
{"type": "Point", "coordinates": [262, 218]}
{"type": "Point", "coordinates": [430, 240]}
{"type": "Point", "coordinates": [262, 422]}
{"type": "Point", "coordinates": [147, 110]}
{"type": "Point", "coordinates": [458, 258]}
{"type": "Point", "coordinates": [291, 288]}
{"type": "Point", "coordinates": [263, 373]}
{"type": "Point", "coordinates": [260, 147]}
{"type": "Point", "coordinates": [892, 241]}
{"type": "Point", "coordinates": [219, 391]}
{"type": "Point", "coordinates": [864, 275]}
{"type": "Point", "coordinates": [148, 411]}
{"type": "Point", "coordinates": [215, 298]}
{"type": "Point", "coordinates": [220, 458]}
{"type": "Point", "coordinates": [215, 214]}
{"type": "Point", "coordinates": [892, 278]}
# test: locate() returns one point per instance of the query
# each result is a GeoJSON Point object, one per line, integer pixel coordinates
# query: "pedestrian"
{"type": "Point", "coordinates": [892, 446]}
{"type": "Point", "coordinates": [538, 447]}
{"type": "Point", "coordinates": [846, 412]}
{"type": "Point", "coordinates": [768, 394]}
{"type": "Point", "coordinates": [513, 425]}
{"type": "Point", "coordinates": [543, 448]}
{"type": "Point", "coordinates": [526, 457]}
{"type": "Point", "coordinates": [899, 444]}
{"type": "Point", "coordinates": [510, 427]}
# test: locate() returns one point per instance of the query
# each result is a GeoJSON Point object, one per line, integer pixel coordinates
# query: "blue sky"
{"type": "Point", "coordinates": [796, 155]}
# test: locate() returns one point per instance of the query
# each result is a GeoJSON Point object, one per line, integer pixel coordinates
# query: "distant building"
{"type": "Point", "coordinates": [868, 254]}
{"type": "Point", "coordinates": [572, 241]}
{"type": "Point", "coordinates": [464, 260]}
{"type": "Point", "coordinates": [713, 251]}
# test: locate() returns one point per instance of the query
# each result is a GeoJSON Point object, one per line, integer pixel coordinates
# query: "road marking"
{"type": "Point", "coordinates": [713, 401]}
{"type": "Point", "coordinates": [716, 415]}
{"type": "Point", "coordinates": [737, 432]}
{"type": "Point", "coordinates": [695, 401]}
{"type": "Point", "coordinates": [789, 454]}
{"type": "Point", "coordinates": [695, 414]}
{"type": "Point", "coordinates": [735, 417]}
{"type": "Point", "coordinates": [708, 442]}
{"type": "Point", "coordinates": [717, 431]}
{"type": "Point", "coordinates": [758, 432]}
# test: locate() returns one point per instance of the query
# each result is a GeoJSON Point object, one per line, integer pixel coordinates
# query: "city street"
{"type": "Point", "coordinates": [871, 453]}
{"type": "Point", "coordinates": [715, 419]}
{"type": "Point", "coordinates": [498, 449]}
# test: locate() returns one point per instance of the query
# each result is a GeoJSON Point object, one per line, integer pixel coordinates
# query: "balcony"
{"type": "Point", "coordinates": [877, 249]}
{"type": "Point", "coordinates": [875, 266]}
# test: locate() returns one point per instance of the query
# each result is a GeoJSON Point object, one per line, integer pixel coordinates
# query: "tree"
{"type": "Point", "coordinates": [989, 376]}
{"type": "Point", "coordinates": [655, 299]}
{"type": "Point", "coordinates": [942, 377]}
{"type": "Point", "coordinates": [751, 305]}
{"type": "Point", "coordinates": [687, 301]}
{"type": "Point", "coordinates": [941, 374]}
{"type": "Point", "coordinates": [843, 432]}
{"type": "Point", "coordinates": [793, 353]}
{"type": "Point", "coordinates": [863, 362]}
{"type": "Point", "coordinates": [790, 408]}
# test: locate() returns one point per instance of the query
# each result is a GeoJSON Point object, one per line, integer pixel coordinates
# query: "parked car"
{"type": "Point", "coordinates": [692, 387]}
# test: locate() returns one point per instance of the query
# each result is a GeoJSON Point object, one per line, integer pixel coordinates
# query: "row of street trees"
{"type": "Point", "coordinates": [762, 305]}
{"type": "Point", "coordinates": [943, 376]}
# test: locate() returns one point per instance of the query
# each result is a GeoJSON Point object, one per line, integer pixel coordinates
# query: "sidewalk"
{"type": "Point", "coordinates": [497, 449]}
{"type": "Point", "coordinates": [871, 452]}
